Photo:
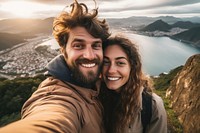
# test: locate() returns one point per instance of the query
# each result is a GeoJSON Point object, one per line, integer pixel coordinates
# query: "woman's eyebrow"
{"type": "Point", "coordinates": [117, 58]}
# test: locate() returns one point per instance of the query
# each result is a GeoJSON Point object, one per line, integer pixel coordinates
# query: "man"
{"type": "Point", "coordinates": [67, 100]}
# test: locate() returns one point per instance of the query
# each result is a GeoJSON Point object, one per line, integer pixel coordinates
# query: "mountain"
{"type": "Point", "coordinates": [158, 25]}
{"type": "Point", "coordinates": [45, 25]}
{"type": "Point", "coordinates": [192, 19]}
{"type": "Point", "coordinates": [185, 24]}
{"type": "Point", "coordinates": [191, 35]}
{"type": "Point", "coordinates": [29, 26]}
{"type": "Point", "coordinates": [8, 40]}
{"type": "Point", "coordinates": [15, 31]}
{"type": "Point", "coordinates": [184, 95]}
{"type": "Point", "coordinates": [138, 22]}
{"type": "Point", "coordinates": [32, 27]}
{"type": "Point", "coordinates": [168, 19]}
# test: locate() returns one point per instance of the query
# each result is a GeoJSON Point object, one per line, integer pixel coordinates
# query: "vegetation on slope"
{"type": "Point", "coordinates": [161, 84]}
{"type": "Point", "coordinates": [13, 94]}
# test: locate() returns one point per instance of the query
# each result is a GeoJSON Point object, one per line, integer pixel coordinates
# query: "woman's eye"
{"type": "Point", "coordinates": [121, 63]}
{"type": "Point", "coordinates": [106, 63]}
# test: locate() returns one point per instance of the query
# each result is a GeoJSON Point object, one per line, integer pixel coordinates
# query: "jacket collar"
{"type": "Point", "coordinates": [58, 69]}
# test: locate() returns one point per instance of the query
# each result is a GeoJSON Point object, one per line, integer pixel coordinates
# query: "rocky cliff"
{"type": "Point", "coordinates": [184, 94]}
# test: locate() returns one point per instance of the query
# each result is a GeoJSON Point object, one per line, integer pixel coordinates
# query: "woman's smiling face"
{"type": "Point", "coordinates": [116, 67]}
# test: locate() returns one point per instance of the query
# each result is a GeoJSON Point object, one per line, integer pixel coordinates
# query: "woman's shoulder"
{"type": "Point", "coordinates": [157, 105]}
{"type": "Point", "coordinates": [156, 97]}
{"type": "Point", "coordinates": [157, 100]}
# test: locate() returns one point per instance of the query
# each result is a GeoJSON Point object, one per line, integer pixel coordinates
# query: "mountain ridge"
{"type": "Point", "coordinates": [157, 25]}
{"type": "Point", "coordinates": [8, 40]}
{"type": "Point", "coordinates": [185, 24]}
{"type": "Point", "coordinates": [190, 36]}
{"type": "Point", "coordinates": [184, 93]}
{"type": "Point", "coordinates": [32, 27]}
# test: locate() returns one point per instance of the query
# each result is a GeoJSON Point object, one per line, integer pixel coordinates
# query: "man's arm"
{"type": "Point", "coordinates": [50, 109]}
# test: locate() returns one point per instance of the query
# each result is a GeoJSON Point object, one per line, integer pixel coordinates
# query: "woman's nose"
{"type": "Point", "coordinates": [112, 69]}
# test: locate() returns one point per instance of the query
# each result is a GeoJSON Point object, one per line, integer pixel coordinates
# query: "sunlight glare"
{"type": "Point", "coordinates": [140, 2]}
{"type": "Point", "coordinates": [22, 8]}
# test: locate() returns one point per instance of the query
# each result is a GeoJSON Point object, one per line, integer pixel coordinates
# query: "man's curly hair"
{"type": "Point", "coordinates": [79, 16]}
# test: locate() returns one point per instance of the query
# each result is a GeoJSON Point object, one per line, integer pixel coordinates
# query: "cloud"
{"type": "Point", "coordinates": [189, 9]}
{"type": "Point", "coordinates": [125, 5]}
{"type": "Point", "coordinates": [5, 15]}
{"type": "Point", "coordinates": [126, 8]}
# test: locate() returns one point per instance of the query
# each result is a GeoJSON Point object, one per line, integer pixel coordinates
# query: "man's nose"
{"type": "Point", "coordinates": [89, 54]}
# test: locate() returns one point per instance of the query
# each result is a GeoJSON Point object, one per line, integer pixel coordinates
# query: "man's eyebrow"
{"type": "Point", "coordinates": [78, 40]}
{"type": "Point", "coordinates": [82, 40]}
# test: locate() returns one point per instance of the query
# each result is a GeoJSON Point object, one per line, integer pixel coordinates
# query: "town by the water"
{"type": "Point", "coordinates": [26, 59]}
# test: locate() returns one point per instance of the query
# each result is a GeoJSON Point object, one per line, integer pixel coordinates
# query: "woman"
{"type": "Point", "coordinates": [122, 90]}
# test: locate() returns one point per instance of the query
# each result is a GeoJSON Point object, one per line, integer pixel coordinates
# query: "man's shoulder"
{"type": "Point", "coordinates": [50, 81]}
{"type": "Point", "coordinates": [53, 85]}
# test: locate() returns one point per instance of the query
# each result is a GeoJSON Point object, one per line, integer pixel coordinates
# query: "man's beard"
{"type": "Point", "coordinates": [88, 79]}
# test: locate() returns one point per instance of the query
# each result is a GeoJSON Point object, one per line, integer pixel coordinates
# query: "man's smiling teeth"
{"type": "Point", "coordinates": [88, 65]}
{"type": "Point", "coordinates": [112, 78]}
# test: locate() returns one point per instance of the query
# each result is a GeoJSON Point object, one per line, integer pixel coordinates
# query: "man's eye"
{"type": "Point", "coordinates": [97, 46]}
{"type": "Point", "coordinates": [78, 46]}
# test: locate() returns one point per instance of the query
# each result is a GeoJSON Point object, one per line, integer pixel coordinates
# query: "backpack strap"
{"type": "Point", "coordinates": [146, 112]}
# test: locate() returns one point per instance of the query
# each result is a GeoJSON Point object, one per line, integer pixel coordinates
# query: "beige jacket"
{"type": "Point", "coordinates": [59, 107]}
{"type": "Point", "coordinates": [158, 123]}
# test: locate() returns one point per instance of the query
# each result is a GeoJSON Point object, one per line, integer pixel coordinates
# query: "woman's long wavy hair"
{"type": "Point", "coordinates": [79, 16]}
{"type": "Point", "coordinates": [128, 104]}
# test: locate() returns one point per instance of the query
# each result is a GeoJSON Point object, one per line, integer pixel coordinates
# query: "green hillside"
{"type": "Point", "coordinates": [13, 94]}
{"type": "Point", "coordinates": [191, 35]}
{"type": "Point", "coordinates": [161, 84]}
{"type": "Point", "coordinates": [8, 40]}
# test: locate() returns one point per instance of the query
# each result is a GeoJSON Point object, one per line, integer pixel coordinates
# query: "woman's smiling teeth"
{"type": "Point", "coordinates": [88, 65]}
{"type": "Point", "coordinates": [113, 78]}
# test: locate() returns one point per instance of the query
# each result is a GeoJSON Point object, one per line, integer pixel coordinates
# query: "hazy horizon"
{"type": "Point", "coordinates": [107, 8]}
{"type": "Point", "coordinates": [101, 17]}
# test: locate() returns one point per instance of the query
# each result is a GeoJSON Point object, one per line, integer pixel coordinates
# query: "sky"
{"type": "Point", "coordinates": [107, 8]}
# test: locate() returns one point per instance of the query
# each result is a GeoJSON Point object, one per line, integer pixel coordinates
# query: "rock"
{"type": "Point", "coordinates": [184, 94]}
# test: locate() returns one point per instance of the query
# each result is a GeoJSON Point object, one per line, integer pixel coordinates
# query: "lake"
{"type": "Point", "coordinates": [158, 54]}
{"type": "Point", "coordinates": [161, 54]}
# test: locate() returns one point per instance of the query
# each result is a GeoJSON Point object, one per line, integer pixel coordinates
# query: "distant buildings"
{"type": "Point", "coordinates": [26, 60]}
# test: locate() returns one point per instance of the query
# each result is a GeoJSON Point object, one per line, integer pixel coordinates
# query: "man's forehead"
{"type": "Point", "coordinates": [81, 33]}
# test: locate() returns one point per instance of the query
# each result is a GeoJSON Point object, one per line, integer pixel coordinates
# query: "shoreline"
{"type": "Point", "coordinates": [193, 44]}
